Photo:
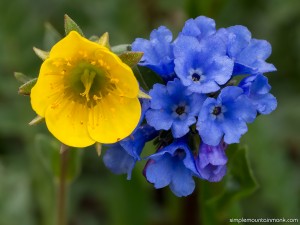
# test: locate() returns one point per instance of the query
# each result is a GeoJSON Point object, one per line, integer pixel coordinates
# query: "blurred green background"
{"type": "Point", "coordinates": [99, 197]}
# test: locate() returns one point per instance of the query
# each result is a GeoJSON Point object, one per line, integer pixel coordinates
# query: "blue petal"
{"type": "Point", "coordinates": [238, 37]}
{"type": "Point", "coordinates": [196, 102]}
{"type": "Point", "coordinates": [265, 104]}
{"type": "Point", "coordinates": [204, 87]}
{"type": "Point", "coordinates": [229, 94]}
{"type": "Point", "coordinates": [171, 149]}
{"type": "Point", "coordinates": [174, 87]}
{"type": "Point", "coordinates": [208, 127]}
{"type": "Point", "coordinates": [181, 127]}
{"type": "Point", "coordinates": [257, 49]}
{"type": "Point", "coordinates": [135, 143]}
{"type": "Point", "coordinates": [220, 69]}
{"type": "Point", "coordinates": [159, 119]}
{"type": "Point", "coordinates": [182, 183]}
{"type": "Point", "coordinates": [214, 155]}
{"type": "Point", "coordinates": [200, 27]}
{"type": "Point", "coordinates": [233, 129]}
{"type": "Point", "coordinates": [159, 172]}
{"type": "Point", "coordinates": [119, 161]}
{"type": "Point", "coordinates": [184, 45]}
{"type": "Point", "coordinates": [159, 96]}
{"type": "Point", "coordinates": [244, 109]}
{"type": "Point", "coordinates": [254, 56]}
{"type": "Point", "coordinates": [158, 52]}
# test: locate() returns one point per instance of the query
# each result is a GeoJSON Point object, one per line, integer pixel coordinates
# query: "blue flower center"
{"type": "Point", "coordinates": [217, 110]}
{"type": "Point", "coordinates": [180, 154]}
{"type": "Point", "coordinates": [180, 110]}
{"type": "Point", "coordinates": [196, 77]}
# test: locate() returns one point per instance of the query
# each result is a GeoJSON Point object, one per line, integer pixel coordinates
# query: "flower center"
{"type": "Point", "coordinates": [196, 77]}
{"type": "Point", "coordinates": [87, 83]}
{"type": "Point", "coordinates": [217, 110]}
{"type": "Point", "coordinates": [180, 153]}
{"type": "Point", "coordinates": [180, 110]}
{"type": "Point", "coordinates": [87, 79]}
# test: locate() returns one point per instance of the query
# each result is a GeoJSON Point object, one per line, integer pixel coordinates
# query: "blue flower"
{"type": "Point", "coordinates": [211, 162]}
{"type": "Point", "coordinates": [203, 65]}
{"type": "Point", "coordinates": [158, 52]}
{"type": "Point", "coordinates": [257, 89]}
{"type": "Point", "coordinates": [173, 165]}
{"type": "Point", "coordinates": [225, 116]}
{"type": "Point", "coordinates": [121, 157]}
{"type": "Point", "coordinates": [248, 53]}
{"type": "Point", "coordinates": [199, 28]}
{"type": "Point", "coordinates": [173, 107]}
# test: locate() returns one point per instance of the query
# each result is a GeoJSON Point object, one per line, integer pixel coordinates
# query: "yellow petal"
{"type": "Point", "coordinates": [114, 118]}
{"type": "Point", "coordinates": [121, 75]}
{"type": "Point", "coordinates": [74, 44]}
{"type": "Point", "coordinates": [67, 121]}
{"type": "Point", "coordinates": [45, 92]}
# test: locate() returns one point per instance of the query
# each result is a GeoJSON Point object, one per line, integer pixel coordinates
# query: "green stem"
{"type": "Point", "coordinates": [62, 186]}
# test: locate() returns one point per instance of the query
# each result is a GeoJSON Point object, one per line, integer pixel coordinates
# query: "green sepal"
{"type": "Point", "coordinates": [38, 119]}
{"type": "Point", "coordinates": [142, 94]}
{"type": "Point", "coordinates": [119, 49]}
{"type": "Point", "coordinates": [48, 150]}
{"type": "Point", "coordinates": [131, 58]}
{"type": "Point", "coordinates": [51, 37]}
{"type": "Point", "coordinates": [22, 77]}
{"type": "Point", "coordinates": [104, 40]}
{"type": "Point", "coordinates": [98, 147]}
{"type": "Point", "coordinates": [25, 89]}
{"type": "Point", "coordinates": [70, 25]}
{"type": "Point", "coordinates": [41, 53]}
{"type": "Point", "coordinates": [94, 38]}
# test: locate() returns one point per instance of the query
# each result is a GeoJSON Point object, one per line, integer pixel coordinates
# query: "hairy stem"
{"type": "Point", "coordinates": [62, 186]}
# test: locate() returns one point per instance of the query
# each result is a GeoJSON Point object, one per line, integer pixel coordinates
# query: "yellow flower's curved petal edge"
{"type": "Point", "coordinates": [72, 45]}
{"type": "Point", "coordinates": [126, 83]}
{"type": "Point", "coordinates": [114, 119]}
{"type": "Point", "coordinates": [67, 121]}
{"type": "Point", "coordinates": [47, 89]}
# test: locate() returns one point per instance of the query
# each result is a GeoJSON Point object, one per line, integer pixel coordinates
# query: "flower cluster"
{"type": "Point", "coordinates": [199, 109]}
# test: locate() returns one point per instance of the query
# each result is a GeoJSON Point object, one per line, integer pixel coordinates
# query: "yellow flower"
{"type": "Point", "coordinates": [86, 93]}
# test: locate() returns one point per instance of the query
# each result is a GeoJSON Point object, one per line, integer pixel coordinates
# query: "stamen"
{"type": "Point", "coordinates": [87, 79]}
{"type": "Point", "coordinates": [217, 110]}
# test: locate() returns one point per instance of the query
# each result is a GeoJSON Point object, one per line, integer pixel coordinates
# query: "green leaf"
{"type": "Point", "coordinates": [70, 25]}
{"type": "Point", "coordinates": [240, 181]}
{"type": "Point", "coordinates": [25, 89]}
{"type": "Point", "coordinates": [22, 77]}
{"type": "Point", "coordinates": [222, 199]}
{"type": "Point", "coordinates": [119, 49]}
{"type": "Point", "coordinates": [48, 150]}
{"type": "Point", "coordinates": [146, 77]}
{"type": "Point", "coordinates": [131, 58]}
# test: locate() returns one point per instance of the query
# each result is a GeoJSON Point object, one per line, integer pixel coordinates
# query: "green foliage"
{"type": "Point", "coordinates": [221, 200]}
{"type": "Point", "coordinates": [131, 58]}
{"type": "Point", "coordinates": [48, 150]}
{"type": "Point", "coordinates": [71, 25]}
{"type": "Point", "coordinates": [25, 89]}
